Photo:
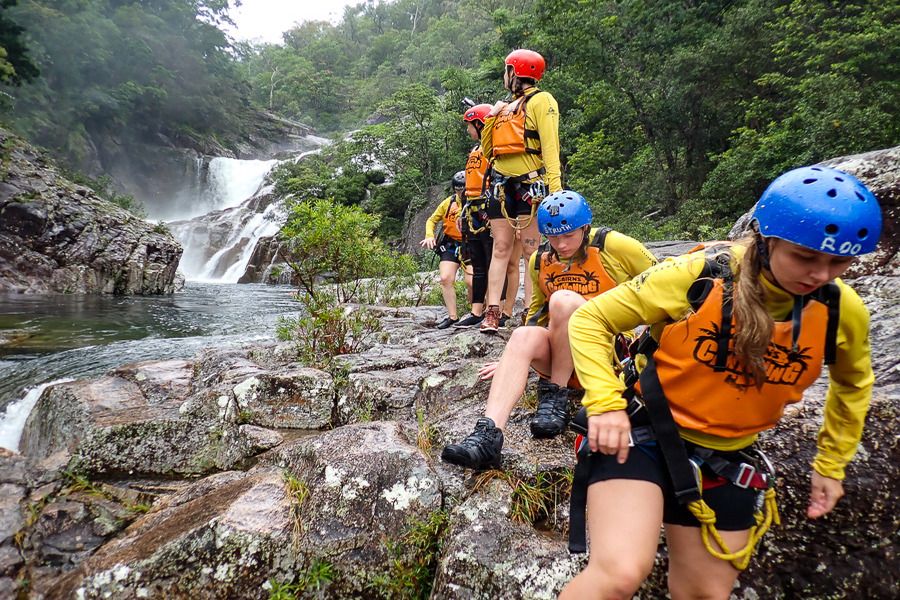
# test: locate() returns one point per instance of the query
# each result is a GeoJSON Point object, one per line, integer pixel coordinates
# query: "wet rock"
{"type": "Point", "coordinates": [59, 237]}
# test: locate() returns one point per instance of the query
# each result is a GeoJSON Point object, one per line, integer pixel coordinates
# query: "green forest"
{"type": "Point", "coordinates": [674, 114]}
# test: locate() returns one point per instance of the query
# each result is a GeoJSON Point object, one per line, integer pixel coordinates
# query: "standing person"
{"type": "Point", "coordinates": [448, 249]}
{"type": "Point", "coordinates": [577, 266]}
{"type": "Point", "coordinates": [742, 330]}
{"type": "Point", "coordinates": [521, 140]}
{"type": "Point", "coordinates": [474, 223]}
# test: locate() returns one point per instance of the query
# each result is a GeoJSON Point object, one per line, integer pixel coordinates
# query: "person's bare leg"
{"type": "Point", "coordinates": [527, 347]}
{"type": "Point", "coordinates": [530, 239]}
{"type": "Point", "coordinates": [694, 573]}
{"type": "Point", "coordinates": [447, 270]}
{"type": "Point", "coordinates": [563, 303]}
{"type": "Point", "coordinates": [623, 518]}
{"type": "Point", "coordinates": [512, 279]}
{"type": "Point", "coordinates": [503, 235]}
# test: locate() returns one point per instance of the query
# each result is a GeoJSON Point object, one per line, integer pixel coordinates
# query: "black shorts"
{"type": "Point", "coordinates": [734, 506]}
{"type": "Point", "coordinates": [511, 192]}
{"type": "Point", "coordinates": [449, 250]}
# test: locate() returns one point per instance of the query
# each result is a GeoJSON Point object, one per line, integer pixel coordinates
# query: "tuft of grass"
{"type": "Point", "coordinates": [533, 499]}
{"type": "Point", "coordinates": [427, 434]}
{"type": "Point", "coordinates": [314, 578]}
{"type": "Point", "coordinates": [298, 492]}
{"type": "Point", "coordinates": [412, 562]}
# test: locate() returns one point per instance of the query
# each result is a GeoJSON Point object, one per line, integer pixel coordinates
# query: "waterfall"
{"type": "Point", "coordinates": [12, 422]}
{"type": "Point", "coordinates": [236, 209]}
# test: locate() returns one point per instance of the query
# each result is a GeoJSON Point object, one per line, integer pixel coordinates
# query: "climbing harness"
{"type": "Point", "coordinates": [644, 392]}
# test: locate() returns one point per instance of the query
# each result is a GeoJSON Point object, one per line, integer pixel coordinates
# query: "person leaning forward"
{"type": "Point", "coordinates": [579, 264]}
{"type": "Point", "coordinates": [521, 140]}
{"type": "Point", "coordinates": [741, 330]}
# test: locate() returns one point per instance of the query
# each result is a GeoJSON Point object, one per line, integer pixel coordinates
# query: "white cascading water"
{"type": "Point", "coordinates": [234, 215]}
{"type": "Point", "coordinates": [12, 421]}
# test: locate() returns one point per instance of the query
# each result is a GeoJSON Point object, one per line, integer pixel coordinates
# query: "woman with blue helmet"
{"type": "Point", "coordinates": [740, 331]}
{"type": "Point", "coordinates": [575, 266]}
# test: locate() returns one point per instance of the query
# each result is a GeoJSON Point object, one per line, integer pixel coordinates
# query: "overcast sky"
{"type": "Point", "coordinates": [265, 20]}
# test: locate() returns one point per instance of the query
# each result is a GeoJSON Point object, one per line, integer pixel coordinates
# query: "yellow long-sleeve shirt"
{"type": "Point", "coordinates": [541, 115]}
{"type": "Point", "coordinates": [438, 215]}
{"type": "Point", "coordinates": [622, 257]}
{"type": "Point", "coordinates": [659, 296]}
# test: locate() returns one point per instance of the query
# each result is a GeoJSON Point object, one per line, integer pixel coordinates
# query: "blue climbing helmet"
{"type": "Point", "coordinates": [822, 209]}
{"type": "Point", "coordinates": [562, 212]}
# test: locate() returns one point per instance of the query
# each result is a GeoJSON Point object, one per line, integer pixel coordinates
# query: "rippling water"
{"type": "Point", "coordinates": [45, 338]}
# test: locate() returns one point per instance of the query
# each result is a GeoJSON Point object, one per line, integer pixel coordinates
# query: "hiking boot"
{"type": "Point", "coordinates": [552, 414]}
{"type": "Point", "coordinates": [446, 323]}
{"type": "Point", "coordinates": [491, 321]}
{"type": "Point", "coordinates": [480, 450]}
{"type": "Point", "coordinates": [469, 320]}
{"type": "Point", "coordinates": [503, 319]}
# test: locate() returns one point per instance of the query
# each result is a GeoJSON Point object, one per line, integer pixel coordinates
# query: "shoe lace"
{"type": "Point", "coordinates": [555, 406]}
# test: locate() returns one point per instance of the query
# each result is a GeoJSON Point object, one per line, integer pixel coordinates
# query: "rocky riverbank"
{"type": "Point", "coordinates": [60, 237]}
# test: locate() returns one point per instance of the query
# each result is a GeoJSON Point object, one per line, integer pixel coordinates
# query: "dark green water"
{"type": "Point", "coordinates": [45, 338]}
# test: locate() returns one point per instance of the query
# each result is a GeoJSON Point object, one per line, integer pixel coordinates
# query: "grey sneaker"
{"type": "Point", "coordinates": [480, 450]}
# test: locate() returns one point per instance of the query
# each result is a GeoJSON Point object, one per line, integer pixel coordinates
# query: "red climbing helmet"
{"type": "Point", "coordinates": [479, 113]}
{"type": "Point", "coordinates": [526, 63]}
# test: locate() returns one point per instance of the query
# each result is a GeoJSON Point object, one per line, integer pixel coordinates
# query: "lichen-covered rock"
{"type": "Point", "coordinates": [368, 484]}
{"type": "Point", "coordinates": [295, 397]}
{"type": "Point", "coordinates": [487, 555]}
{"type": "Point", "coordinates": [224, 537]}
{"type": "Point", "coordinates": [56, 236]}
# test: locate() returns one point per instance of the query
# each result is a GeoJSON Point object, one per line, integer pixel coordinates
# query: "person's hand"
{"type": "Point", "coordinates": [428, 243]}
{"type": "Point", "coordinates": [498, 106]}
{"type": "Point", "coordinates": [609, 433]}
{"type": "Point", "coordinates": [487, 371]}
{"type": "Point", "coordinates": [823, 495]}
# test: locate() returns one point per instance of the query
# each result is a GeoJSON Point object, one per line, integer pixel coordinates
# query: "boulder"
{"type": "Point", "coordinates": [59, 237]}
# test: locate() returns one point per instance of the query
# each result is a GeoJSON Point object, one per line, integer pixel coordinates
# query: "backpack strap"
{"type": "Point", "coordinates": [830, 295]}
{"type": "Point", "coordinates": [717, 266]}
{"type": "Point", "coordinates": [599, 240]}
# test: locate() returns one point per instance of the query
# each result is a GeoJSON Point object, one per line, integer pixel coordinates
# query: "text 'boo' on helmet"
{"type": "Point", "coordinates": [562, 212]}
{"type": "Point", "coordinates": [526, 63]}
{"type": "Point", "coordinates": [479, 113]}
{"type": "Point", "coordinates": [459, 180]}
{"type": "Point", "coordinates": [822, 209]}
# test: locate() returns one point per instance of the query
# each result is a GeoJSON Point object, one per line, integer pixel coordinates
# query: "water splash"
{"type": "Point", "coordinates": [12, 421]}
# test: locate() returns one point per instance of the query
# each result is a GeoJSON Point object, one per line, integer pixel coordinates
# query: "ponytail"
{"type": "Point", "coordinates": [754, 323]}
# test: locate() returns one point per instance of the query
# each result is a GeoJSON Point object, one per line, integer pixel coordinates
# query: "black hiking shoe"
{"type": "Point", "coordinates": [480, 450]}
{"type": "Point", "coordinates": [447, 322]}
{"type": "Point", "coordinates": [552, 414]}
{"type": "Point", "coordinates": [469, 320]}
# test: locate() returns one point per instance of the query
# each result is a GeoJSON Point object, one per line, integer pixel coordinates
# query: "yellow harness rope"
{"type": "Point", "coordinates": [741, 558]}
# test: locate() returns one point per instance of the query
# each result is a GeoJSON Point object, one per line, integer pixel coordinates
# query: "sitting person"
{"type": "Point", "coordinates": [449, 246]}
{"type": "Point", "coordinates": [577, 267]}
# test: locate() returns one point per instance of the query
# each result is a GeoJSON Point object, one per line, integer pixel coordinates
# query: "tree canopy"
{"type": "Point", "coordinates": [681, 110]}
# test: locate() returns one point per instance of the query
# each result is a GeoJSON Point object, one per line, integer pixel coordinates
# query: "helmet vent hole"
{"type": "Point", "coordinates": [831, 193]}
{"type": "Point", "coordinates": [860, 196]}
{"type": "Point", "coordinates": [862, 233]}
{"type": "Point", "coordinates": [564, 222]}
{"type": "Point", "coordinates": [808, 181]}
{"type": "Point", "coordinates": [815, 168]}
{"type": "Point", "coordinates": [831, 229]}
{"type": "Point", "coordinates": [841, 179]}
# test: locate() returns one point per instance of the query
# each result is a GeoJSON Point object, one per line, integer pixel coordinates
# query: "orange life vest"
{"type": "Point", "coordinates": [724, 403]}
{"type": "Point", "coordinates": [476, 168]}
{"type": "Point", "coordinates": [509, 134]}
{"type": "Point", "coordinates": [450, 228]}
{"type": "Point", "coordinates": [588, 279]}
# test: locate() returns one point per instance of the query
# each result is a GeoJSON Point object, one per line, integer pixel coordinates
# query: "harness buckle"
{"type": "Point", "coordinates": [635, 404]}
{"type": "Point", "coordinates": [745, 476]}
